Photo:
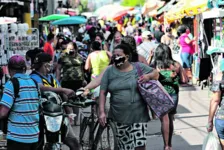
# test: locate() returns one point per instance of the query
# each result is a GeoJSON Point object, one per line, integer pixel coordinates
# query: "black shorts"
{"type": "Point", "coordinates": [73, 85]}
{"type": "Point", "coordinates": [13, 145]}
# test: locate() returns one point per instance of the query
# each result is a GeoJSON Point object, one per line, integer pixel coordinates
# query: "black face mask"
{"type": "Point", "coordinates": [118, 60]}
{"type": "Point", "coordinates": [71, 52]}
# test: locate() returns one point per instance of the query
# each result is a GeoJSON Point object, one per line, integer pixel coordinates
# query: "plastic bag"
{"type": "Point", "coordinates": [211, 142]}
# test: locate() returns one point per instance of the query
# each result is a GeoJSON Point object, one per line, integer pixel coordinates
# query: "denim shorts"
{"type": "Point", "coordinates": [219, 126]}
{"type": "Point", "coordinates": [187, 60]}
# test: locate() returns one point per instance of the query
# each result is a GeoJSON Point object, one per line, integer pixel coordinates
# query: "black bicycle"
{"type": "Point", "coordinates": [92, 135]}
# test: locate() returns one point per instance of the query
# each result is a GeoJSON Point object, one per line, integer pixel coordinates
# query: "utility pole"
{"type": "Point", "coordinates": [26, 15]}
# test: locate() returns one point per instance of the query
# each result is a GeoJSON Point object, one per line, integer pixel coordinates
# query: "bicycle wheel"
{"type": "Point", "coordinates": [85, 134]}
{"type": "Point", "coordinates": [106, 138]}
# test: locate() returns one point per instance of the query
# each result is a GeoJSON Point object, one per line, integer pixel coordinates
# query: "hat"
{"type": "Point", "coordinates": [17, 62]}
{"type": "Point", "coordinates": [145, 34]}
{"type": "Point", "coordinates": [42, 57]}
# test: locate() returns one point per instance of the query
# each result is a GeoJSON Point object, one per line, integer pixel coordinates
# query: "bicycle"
{"type": "Point", "coordinates": [91, 132]}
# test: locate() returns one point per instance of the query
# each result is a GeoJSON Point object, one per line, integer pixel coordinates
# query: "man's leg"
{"type": "Point", "coordinates": [13, 145]}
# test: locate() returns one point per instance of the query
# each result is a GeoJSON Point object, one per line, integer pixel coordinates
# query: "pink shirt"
{"type": "Point", "coordinates": [186, 48]}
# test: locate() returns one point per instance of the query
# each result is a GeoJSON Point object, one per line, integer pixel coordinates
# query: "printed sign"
{"type": "Point", "coordinates": [23, 43]}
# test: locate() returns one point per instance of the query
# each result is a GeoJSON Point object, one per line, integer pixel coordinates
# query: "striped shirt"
{"type": "Point", "coordinates": [23, 120]}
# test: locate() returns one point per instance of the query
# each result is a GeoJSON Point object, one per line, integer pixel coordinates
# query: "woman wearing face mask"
{"type": "Point", "coordinates": [127, 108]}
{"type": "Point", "coordinates": [71, 64]}
{"type": "Point", "coordinates": [100, 38]}
{"type": "Point", "coordinates": [135, 57]}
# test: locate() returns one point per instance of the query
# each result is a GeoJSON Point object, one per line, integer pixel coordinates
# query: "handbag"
{"type": "Point", "coordinates": [155, 95]}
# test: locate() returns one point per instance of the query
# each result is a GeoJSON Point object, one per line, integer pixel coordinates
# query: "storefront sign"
{"type": "Point", "coordinates": [23, 43]}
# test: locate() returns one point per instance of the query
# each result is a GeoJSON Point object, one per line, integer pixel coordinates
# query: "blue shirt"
{"type": "Point", "coordinates": [23, 120]}
{"type": "Point", "coordinates": [38, 79]}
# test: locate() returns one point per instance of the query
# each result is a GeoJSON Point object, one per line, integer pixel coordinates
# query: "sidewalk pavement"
{"type": "Point", "coordinates": [190, 122]}
{"type": "Point", "coordinates": [189, 125]}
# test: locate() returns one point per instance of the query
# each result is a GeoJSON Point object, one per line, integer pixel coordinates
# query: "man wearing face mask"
{"type": "Point", "coordinates": [48, 82]}
{"type": "Point", "coordinates": [44, 78]}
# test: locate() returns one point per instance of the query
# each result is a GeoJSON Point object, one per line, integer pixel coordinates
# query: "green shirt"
{"type": "Point", "coordinates": [127, 105]}
{"type": "Point", "coordinates": [171, 84]}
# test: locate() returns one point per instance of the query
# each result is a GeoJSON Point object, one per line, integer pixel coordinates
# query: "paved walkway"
{"type": "Point", "coordinates": [190, 122]}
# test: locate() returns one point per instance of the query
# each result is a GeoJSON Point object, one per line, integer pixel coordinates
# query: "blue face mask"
{"type": "Point", "coordinates": [222, 64]}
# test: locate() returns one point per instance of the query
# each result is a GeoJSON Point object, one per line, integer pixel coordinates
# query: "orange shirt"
{"type": "Point", "coordinates": [49, 49]}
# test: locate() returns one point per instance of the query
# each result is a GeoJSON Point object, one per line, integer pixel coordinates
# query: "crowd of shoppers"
{"type": "Point", "coordinates": [109, 59]}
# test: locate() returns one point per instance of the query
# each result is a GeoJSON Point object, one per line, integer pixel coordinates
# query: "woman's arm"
{"type": "Point", "coordinates": [188, 41]}
{"type": "Point", "coordinates": [105, 46]}
{"type": "Point", "coordinates": [214, 103]}
{"type": "Point", "coordinates": [96, 82]}
{"type": "Point", "coordinates": [154, 75]}
{"type": "Point", "coordinates": [180, 70]}
{"type": "Point", "coordinates": [102, 115]}
{"type": "Point", "coordinates": [88, 63]}
{"type": "Point", "coordinates": [109, 54]}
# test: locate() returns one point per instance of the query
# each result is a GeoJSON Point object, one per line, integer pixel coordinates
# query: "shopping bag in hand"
{"type": "Point", "coordinates": [211, 142]}
{"type": "Point", "coordinates": [155, 96]}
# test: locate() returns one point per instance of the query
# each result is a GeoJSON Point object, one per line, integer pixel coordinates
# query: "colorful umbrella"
{"type": "Point", "coordinates": [70, 21]}
{"type": "Point", "coordinates": [122, 13]}
{"type": "Point", "coordinates": [54, 17]}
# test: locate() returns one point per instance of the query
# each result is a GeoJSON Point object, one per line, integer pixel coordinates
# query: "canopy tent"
{"type": "Point", "coordinates": [54, 17]}
{"type": "Point", "coordinates": [177, 11]}
{"type": "Point", "coordinates": [7, 20]}
{"type": "Point", "coordinates": [111, 12]}
{"type": "Point", "coordinates": [70, 21]}
{"type": "Point", "coordinates": [195, 7]}
{"type": "Point", "coordinates": [167, 7]}
{"type": "Point", "coordinates": [151, 6]}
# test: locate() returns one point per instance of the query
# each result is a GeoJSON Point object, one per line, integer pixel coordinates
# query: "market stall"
{"type": "Point", "coordinates": [176, 12]}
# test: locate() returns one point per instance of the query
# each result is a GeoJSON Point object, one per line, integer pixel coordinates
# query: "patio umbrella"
{"type": "Point", "coordinates": [117, 16]}
{"type": "Point", "coordinates": [54, 17]}
{"type": "Point", "coordinates": [70, 21]}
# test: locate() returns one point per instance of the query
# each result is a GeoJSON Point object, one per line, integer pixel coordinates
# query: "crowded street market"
{"type": "Point", "coordinates": [111, 75]}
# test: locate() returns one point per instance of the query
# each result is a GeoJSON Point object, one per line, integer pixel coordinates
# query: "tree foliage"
{"type": "Point", "coordinates": [83, 6]}
{"type": "Point", "coordinates": [133, 3]}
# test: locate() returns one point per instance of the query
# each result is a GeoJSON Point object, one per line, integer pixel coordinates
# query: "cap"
{"type": "Point", "coordinates": [17, 62]}
{"type": "Point", "coordinates": [42, 57]}
{"type": "Point", "coordinates": [145, 34]}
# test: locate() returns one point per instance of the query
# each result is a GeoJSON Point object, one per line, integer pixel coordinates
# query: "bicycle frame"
{"type": "Point", "coordinates": [88, 121]}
